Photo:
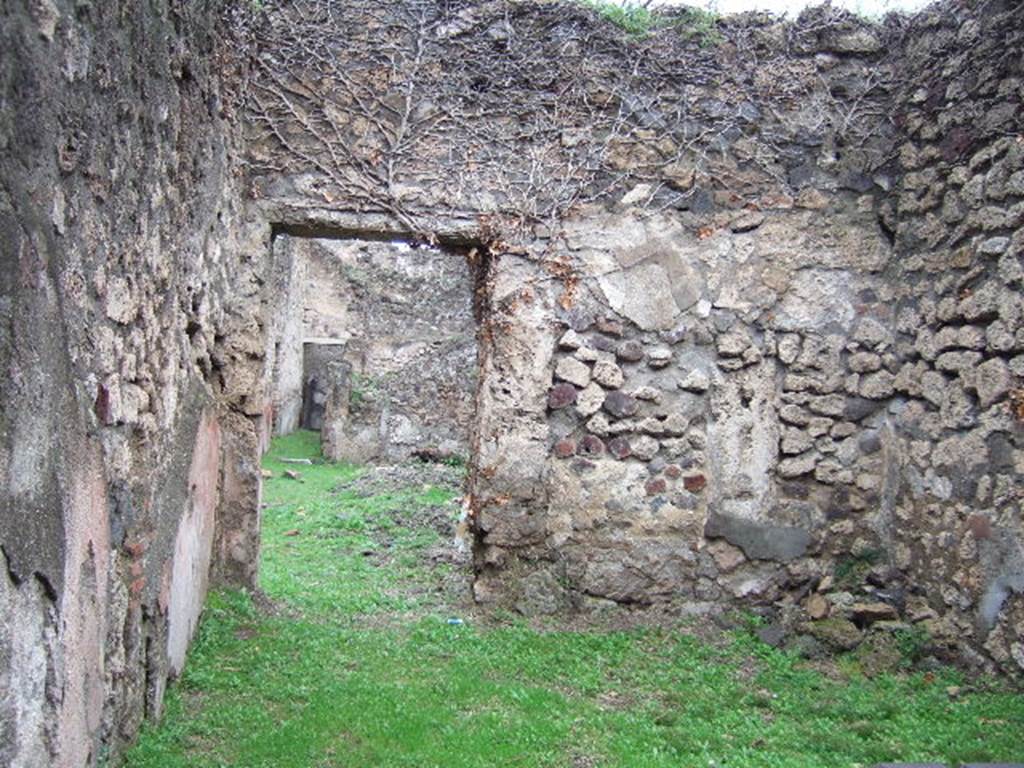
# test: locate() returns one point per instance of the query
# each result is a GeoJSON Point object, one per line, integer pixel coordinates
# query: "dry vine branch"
{"type": "Point", "coordinates": [524, 110]}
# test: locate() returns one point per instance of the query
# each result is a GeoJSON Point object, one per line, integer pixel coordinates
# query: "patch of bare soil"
{"type": "Point", "coordinates": [399, 478]}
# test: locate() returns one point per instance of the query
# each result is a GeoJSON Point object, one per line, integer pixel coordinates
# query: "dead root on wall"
{"type": "Point", "coordinates": [523, 110]}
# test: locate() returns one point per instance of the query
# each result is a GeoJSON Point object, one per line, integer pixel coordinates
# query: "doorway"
{"type": "Point", "coordinates": [375, 347]}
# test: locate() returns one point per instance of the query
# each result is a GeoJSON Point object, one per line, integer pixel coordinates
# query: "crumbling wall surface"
{"type": "Point", "coordinates": [957, 215]}
{"type": "Point", "coordinates": [286, 331]}
{"type": "Point", "coordinates": [121, 300]}
{"type": "Point", "coordinates": [751, 314]}
{"type": "Point", "coordinates": [703, 433]}
{"type": "Point", "coordinates": [332, 284]}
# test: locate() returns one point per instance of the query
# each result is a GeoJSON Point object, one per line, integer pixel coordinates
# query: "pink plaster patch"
{"type": "Point", "coordinates": [83, 606]}
{"type": "Point", "coordinates": [190, 572]}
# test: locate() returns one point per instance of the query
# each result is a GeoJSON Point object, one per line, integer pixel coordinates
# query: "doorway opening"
{"type": "Point", "coordinates": [375, 350]}
{"type": "Point", "coordinates": [375, 347]}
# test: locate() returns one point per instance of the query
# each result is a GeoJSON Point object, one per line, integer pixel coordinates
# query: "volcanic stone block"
{"type": "Point", "coordinates": [573, 371]}
{"type": "Point", "coordinates": [631, 351]}
{"type": "Point", "coordinates": [590, 445]}
{"type": "Point", "coordinates": [659, 357]}
{"type": "Point", "coordinates": [589, 400]}
{"type": "Point", "coordinates": [608, 374]}
{"type": "Point", "coordinates": [991, 380]}
{"type": "Point", "coordinates": [695, 483]}
{"type": "Point", "coordinates": [645, 448]}
{"type": "Point", "coordinates": [643, 294]}
{"type": "Point", "coordinates": [619, 448]}
{"type": "Point", "coordinates": [620, 405]}
{"type": "Point", "coordinates": [799, 465]}
{"type": "Point", "coordinates": [747, 221]}
{"type": "Point", "coordinates": [869, 613]}
{"type": "Point", "coordinates": [695, 381]}
{"type": "Point", "coordinates": [655, 486]}
{"type": "Point", "coordinates": [561, 396]}
{"type": "Point", "coordinates": [857, 408]}
{"type": "Point", "coordinates": [610, 326]}
{"type": "Point", "coordinates": [570, 340]}
{"type": "Point", "coordinates": [759, 541]}
{"type": "Point", "coordinates": [565, 448]}
{"type": "Point", "coordinates": [837, 633]}
{"type": "Point", "coordinates": [877, 386]}
{"type": "Point", "coordinates": [650, 394]}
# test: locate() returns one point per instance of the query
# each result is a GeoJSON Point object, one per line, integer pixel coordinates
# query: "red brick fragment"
{"type": "Point", "coordinates": [565, 448]}
{"type": "Point", "coordinates": [561, 396]}
{"type": "Point", "coordinates": [655, 486]}
{"type": "Point", "coordinates": [695, 483]}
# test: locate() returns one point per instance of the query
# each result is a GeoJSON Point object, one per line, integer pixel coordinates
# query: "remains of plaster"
{"type": "Point", "coordinates": [193, 545]}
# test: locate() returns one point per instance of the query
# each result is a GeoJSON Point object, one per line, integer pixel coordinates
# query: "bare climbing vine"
{"type": "Point", "coordinates": [523, 110]}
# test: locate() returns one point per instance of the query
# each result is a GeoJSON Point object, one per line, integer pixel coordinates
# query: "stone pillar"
{"type": "Point", "coordinates": [333, 433]}
{"type": "Point", "coordinates": [285, 334]}
{"type": "Point", "coordinates": [237, 552]}
{"type": "Point", "coordinates": [508, 491]}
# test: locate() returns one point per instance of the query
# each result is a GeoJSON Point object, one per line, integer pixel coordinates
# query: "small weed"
{"type": "Point", "coordinates": [635, 20]}
{"type": "Point", "coordinates": [914, 644]}
{"type": "Point", "coordinates": [639, 21]}
{"type": "Point", "coordinates": [851, 569]}
{"type": "Point", "coordinates": [749, 620]}
{"type": "Point", "coordinates": [699, 25]}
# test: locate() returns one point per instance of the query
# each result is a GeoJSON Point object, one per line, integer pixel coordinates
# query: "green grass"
{"type": "Point", "coordinates": [633, 19]}
{"type": "Point", "coordinates": [639, 22]}
{"type": "Point", "coordinates": [316, 540]}
{"type": "Point", "coordinates": [359, 667]}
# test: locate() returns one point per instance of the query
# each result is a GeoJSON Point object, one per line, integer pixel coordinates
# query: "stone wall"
{"type": "Point", "coordinates": [128, 317]}
{"type": "Point", "coordinates": [755, 346]}
{"type": "Point", "coordinates": [955, 527]}
{"type": "Point", "coordinates": [287, 334]}
{"type": "Point", "coordinates": [699, 424]}
{"type": "Point", "coordinates": [747, 315]}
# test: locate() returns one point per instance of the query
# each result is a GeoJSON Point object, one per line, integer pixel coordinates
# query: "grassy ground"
{"type": "Point", "coordinates": [353, 662]}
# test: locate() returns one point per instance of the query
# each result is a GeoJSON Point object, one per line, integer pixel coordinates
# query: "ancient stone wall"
{"type": "Point", "coordinates": [747, 313]}
{"type": "Point", "coordinates": [701, 430]}
{"type": "Point", "coordinates": [954, 525]}
{"type": "Point", "coordinates": [708, 263]}
{"type": "Point", "coordinates": [128, 319]}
